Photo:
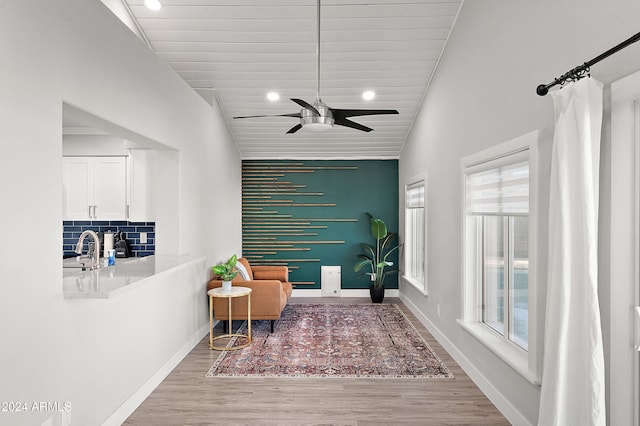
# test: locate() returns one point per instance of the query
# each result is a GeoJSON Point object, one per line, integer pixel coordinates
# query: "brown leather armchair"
{"type": "Point", "coordinates": [271, 290]}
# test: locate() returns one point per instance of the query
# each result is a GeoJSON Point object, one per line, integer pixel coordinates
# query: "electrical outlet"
{"type": "Point", "coordinates": [143, 238]}
{"type": "Point", "coordinates": [438, 309]}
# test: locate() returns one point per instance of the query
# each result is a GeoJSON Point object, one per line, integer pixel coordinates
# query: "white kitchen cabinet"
{"type": "Point", "coordinates": [142, 168]}
{"type": "Point", "coordinates": [95, 188]}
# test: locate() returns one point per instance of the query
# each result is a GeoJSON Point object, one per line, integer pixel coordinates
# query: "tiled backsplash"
{"type": "Point", "coordinates": [73, 228]}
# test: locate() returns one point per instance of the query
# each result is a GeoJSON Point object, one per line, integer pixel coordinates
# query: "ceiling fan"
{"type": "Point", "coordinates": [320, 117]}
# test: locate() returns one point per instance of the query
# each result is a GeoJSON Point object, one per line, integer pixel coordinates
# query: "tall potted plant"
{"type": "Point", "coordinates": [226, 272]}
{"type": "Point", "coordinates": [377, 257]}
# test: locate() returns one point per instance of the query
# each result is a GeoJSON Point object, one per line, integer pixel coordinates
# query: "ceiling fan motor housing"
{"type": "Point", "coordinates": [314, 122]}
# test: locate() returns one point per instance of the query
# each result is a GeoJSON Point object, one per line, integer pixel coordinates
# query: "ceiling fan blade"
{"type": "Point", "coordinates": [359, 112]}
{"type": "Point", "coordinates": [295, 128]}
{"type": "Point", "coordinates": [305, 105]}
{"type": "Point", "coordinates": [348, 123]}
{"type": "Point", "coordinates": [293, 114]}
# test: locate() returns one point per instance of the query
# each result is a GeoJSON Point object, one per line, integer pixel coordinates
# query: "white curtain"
{"type": "Point", "coordinates": [573, 383]}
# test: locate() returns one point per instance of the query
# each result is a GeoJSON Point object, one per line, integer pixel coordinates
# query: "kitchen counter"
{"type": "Point", "coordinates": [127, 273]}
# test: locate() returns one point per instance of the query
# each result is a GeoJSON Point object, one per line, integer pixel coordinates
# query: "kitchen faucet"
{"type": "Point", "coordinates": [95, 260]}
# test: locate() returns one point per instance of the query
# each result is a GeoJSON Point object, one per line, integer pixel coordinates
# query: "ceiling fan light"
{"type": "Point", "coordinates": [368, 95]}
{"type": "Point", "coordinates": [273, 96]}
{"type": "Point", "coordinates": [153, 4]}
{"type": "Point", "coordinates": [318, 127]}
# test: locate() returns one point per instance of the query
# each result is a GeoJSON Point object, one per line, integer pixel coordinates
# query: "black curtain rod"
{"type": "Point", "coordinates": [578, 72]}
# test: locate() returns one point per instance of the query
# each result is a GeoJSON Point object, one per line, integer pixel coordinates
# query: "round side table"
{"type": "Point", "coordinates": [229, 294]}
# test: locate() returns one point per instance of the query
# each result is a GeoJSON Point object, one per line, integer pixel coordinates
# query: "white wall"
{"type": "Point", "coordinates": [76, 51]}
{"type": "Point", "coordinates": [484, 94]}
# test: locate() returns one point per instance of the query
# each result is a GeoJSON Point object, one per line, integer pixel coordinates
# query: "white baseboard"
{"type": "Point", "coordinates": [345, 292]}
{"type": "Point", "coordinates": [495, 396]}
{"type": "Point", "coordinates": [133, 402]}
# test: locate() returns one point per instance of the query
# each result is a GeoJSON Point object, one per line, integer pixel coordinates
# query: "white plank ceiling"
{"type": "Point", "coordinates": [236, 51]}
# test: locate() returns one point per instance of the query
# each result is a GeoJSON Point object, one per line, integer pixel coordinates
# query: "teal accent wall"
{"type": "Point", "coordinates": [308, 214]}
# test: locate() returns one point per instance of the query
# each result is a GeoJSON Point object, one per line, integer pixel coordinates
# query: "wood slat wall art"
{"type": "Point", "coordinates": [271, 184]}
{"type": "Point", "coordinates": [304, 214]}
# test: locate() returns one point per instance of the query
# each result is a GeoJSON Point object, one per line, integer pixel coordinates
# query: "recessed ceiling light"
{"type": "Point", "coordinates": [368, 95]}
{"type": "Point", "coordinates": [153, 4]}
{"type": "Point", "coordinates": [273, 96]}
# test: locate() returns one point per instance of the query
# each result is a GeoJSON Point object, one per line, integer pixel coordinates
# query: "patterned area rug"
{"type": "Point", "coordinates": [334, 340]}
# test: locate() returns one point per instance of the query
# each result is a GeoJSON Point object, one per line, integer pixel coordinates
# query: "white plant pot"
{"type": "Point", "coordinates": [226, 285]}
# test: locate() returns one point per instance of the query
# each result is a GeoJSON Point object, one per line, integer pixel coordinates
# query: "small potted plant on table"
{"type": "Point", "coordinates": [226, 272]}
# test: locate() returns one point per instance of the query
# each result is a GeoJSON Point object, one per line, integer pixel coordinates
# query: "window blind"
{"type": "Point", "coordinates": [415, 195]}
{"type": "Point", "coordinates": [501, 190]}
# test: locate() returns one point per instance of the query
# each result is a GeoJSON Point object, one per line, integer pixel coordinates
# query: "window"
{"type": "Point", "coordinates": [414, 256]}
{"type": "Point", "coordinates": [498, 203]}
{"type": "Point", "coordinates": [499, 290]}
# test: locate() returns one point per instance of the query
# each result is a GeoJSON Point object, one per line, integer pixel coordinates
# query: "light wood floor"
{"type": "Point", "coordinates": [187, 397]}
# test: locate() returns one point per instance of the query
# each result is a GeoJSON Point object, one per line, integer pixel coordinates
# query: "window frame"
{"type": "Point", "coordinates": [527, 363]}
{"type": "Point", "coordinates": [420, 286]}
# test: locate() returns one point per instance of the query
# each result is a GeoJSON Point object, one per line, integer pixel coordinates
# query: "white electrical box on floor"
{"type": "Point", "coordinates": [331, 279]}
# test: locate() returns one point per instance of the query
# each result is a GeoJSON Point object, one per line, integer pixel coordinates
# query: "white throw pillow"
{"type": "Point", "coordinates": [243, 271]}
